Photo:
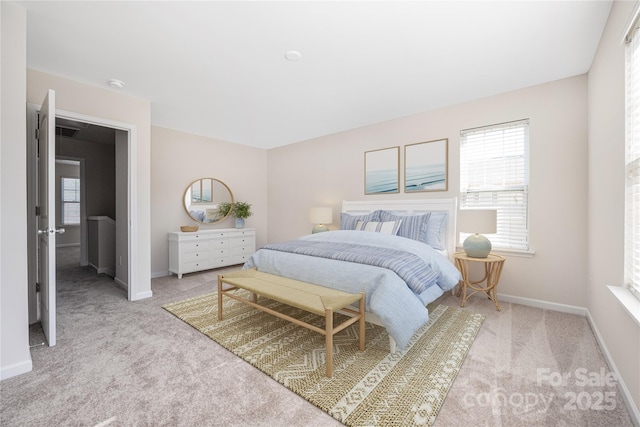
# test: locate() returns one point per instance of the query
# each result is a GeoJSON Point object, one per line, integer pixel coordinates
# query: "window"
{"type": "Point", "coordinates": [70, 201]}
{"type": "Point", "coordinates": [632, 163]}
{"type": "Point", "coordinates": [494, 174]}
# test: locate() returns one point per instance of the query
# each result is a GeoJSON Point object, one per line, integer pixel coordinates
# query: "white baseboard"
{"type": "Point", "coordinates": [138, 296]}
{"type": "Point", "coordinates": [159, 274]}
{"type": "Point", "coordinates": [103, 270]}
{"type": "Point", "coordinates": [121, 284]}
{"type": "Point", "coordinates": [16, 369]}
{"type": "Point", "coordinates": [106, 270]}
{"type": "Point", "coordinates": [564, 308]}
{"type": "Point", "coordinates": [626, 395]}
{"type": "Point", "coordinates": [582, 311]}
{"type": "Point", "coordinates": [142, 295]}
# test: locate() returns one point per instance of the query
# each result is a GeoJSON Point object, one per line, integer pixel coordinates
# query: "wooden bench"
{"type": "Point", "coordinates": [316, 299]}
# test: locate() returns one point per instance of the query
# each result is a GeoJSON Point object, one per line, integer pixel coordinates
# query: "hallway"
{"type": "Point", "coordinates": [77, 291]}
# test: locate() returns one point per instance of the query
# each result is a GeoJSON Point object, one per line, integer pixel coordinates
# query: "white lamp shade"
{"type": "Point", "coordinates": [321, 215]}
{"type": "Point", "coordinates": [478, 222]}
{"type": "Point", "coordinates": [482, 221]}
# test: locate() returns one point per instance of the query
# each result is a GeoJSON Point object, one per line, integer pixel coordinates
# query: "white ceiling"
{"type": "Point", "coordinates": [217, 68]}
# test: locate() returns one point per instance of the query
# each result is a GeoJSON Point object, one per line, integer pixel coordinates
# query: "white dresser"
{"type": "Point", "coordinates": [206, 249]}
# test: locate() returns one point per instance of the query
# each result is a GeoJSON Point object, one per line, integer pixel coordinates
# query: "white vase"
{"type": "Point", "coordinates": [239, 222]}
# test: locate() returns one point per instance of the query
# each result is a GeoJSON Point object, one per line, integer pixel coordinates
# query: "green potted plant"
{"type": "Point", "coordinates": [241, 211]}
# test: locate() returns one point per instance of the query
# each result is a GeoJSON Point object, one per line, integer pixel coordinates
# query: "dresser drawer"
{"type": "Point", "coordinates": [188, 267]}
{"type": "Point", "coordinates": [242, 250]}
{"type": "Point", "coordinates": [238, 259]}
{"type": "Point", "coordinates": [195, 246]}
{"type": "Point", "coordinates": [196, 237]}
{"type": "Point", "coordinates": [219, 252]}
{"type": "Point", "coordinates": [195, 256]}
{"type": "Point", "coordinates": [216, 244]}
{"type": "Point", "coordinates": [220, 262]}
{"type": "Point", "coordinates": [242, 241]}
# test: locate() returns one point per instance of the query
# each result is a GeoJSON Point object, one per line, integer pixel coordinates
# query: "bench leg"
{"type": "Point", "coordinates": [392, 345]}
{"type": "Point", "coordinates": [219, 296]}
{"type": "Point", "coordinates": [329, 341]}
{"type": "Point", "coordinates": [361, 322]}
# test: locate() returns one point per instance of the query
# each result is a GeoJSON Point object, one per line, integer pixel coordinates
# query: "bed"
{"type": "Point", "coordinates": [402, 267]}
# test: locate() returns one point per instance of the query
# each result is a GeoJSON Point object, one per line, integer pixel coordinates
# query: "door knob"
{"type": "Point", "coordinates": [51, 231]}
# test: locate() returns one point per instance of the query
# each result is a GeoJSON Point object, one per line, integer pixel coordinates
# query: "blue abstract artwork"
{"type": "Point", "coordinates": [425, 166]}
{"type": "Point", "coordinates": [382, 171]}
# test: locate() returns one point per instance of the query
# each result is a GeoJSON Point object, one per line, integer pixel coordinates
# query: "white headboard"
{"type": "Point", "coordinates": [450, 206]}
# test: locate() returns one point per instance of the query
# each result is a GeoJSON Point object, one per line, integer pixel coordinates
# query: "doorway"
{"type": "Point", "coordinates": [122, 190]}
{"type": "Point", "coordinates": [70, 204]}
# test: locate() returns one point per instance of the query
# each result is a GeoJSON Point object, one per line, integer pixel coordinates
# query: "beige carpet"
{"type": "Point", "coordinates": [123, 364]}
{"type": "Point", "coordinates": [368, 388]}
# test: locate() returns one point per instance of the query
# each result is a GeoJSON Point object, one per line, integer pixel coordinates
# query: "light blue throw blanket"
{"type": "Point", "coordinates": [411, 268]}
{"type": "Point", "coordinates": [400, 310]}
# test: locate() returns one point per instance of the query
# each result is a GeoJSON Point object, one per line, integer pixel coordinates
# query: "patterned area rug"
{"type": "Point", "coordinates": [370, 388]}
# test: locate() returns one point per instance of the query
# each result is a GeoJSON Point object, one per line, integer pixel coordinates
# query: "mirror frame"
{"type": "Point", "coordinates": [184, 200]}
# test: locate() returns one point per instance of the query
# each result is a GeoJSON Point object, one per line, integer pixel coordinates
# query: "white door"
{"type": "Point", "coordinates": [47, 218]}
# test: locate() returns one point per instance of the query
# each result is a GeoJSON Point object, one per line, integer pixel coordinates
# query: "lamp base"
{"type": "Point", "coordinates": [477, 246]}
{"type": "Point", "coordinates": [319, 229]}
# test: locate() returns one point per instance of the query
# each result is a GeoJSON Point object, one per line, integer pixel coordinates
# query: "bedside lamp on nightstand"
{"type": "Point", "coordinates": [320, 217]}
{"type": "Point", "coordinates": [478, 222]}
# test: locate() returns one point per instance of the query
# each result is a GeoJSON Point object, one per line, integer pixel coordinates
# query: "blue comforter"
{"type": "Point", "coordinates": [400, 310]}
{"type": "Point", "coordinates": [417, 274]}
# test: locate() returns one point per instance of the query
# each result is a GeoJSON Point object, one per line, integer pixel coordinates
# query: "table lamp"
{"type": "Point", "coordinates": [477, 222]}
{"type": "Point", "coordinates": [320, 217]}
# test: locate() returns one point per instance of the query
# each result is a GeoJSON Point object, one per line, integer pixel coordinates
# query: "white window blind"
{"type": "Point", "coordinates": [632, 163]}
{"type": "Point", "coordinates": [494, 174]}
{"type": "Point", "coordinates": [70, 201]}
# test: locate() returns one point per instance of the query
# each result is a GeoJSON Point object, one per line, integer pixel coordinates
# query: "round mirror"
{"type": "Point", "coordinates": [202, 197]}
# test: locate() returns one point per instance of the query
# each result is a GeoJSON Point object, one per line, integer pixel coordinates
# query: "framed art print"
{"type": "Point", "coordinates": [425, 166]}
{"type": "Point", "coordinates": [382, 171]}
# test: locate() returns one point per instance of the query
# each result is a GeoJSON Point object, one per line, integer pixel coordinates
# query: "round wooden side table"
{"type": "Point", "coordinates": [492, 269]}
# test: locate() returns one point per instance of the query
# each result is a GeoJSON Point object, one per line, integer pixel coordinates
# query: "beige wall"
{"type": "Point", "coordinates": [327, 170]}
{"type": "Point", "coordinates": [14, 323]}
{"type": "Point", "coordinates": [620, 333]}
{"type": "Point", "coordinates": [99, 173]}
{"type": "Point", "coordinates": [79, 98]}
{"type": "Point", "coordinates": [177, 159]}
{"type": "Point", "coordinates": [567, 216]}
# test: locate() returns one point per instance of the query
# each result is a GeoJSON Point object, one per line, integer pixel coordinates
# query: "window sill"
{"type": "Point", "coordinates": [630, 303]}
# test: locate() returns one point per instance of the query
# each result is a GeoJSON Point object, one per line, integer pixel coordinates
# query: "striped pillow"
{"type": "Point", "coordinates": [348, 222]}
{"type": "Point", "coordinates": [387, 227]}
{"type": "Point", "coordinates": [413, 227]}
{"type": "Point", "coordinates": [437, 230]}
{"type": "Point", "coordinates": [429, 228]}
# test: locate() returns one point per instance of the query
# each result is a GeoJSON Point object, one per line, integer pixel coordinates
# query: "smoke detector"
{"type": "Point", "coordinates": [116, 84]}
{"type": "Point", "coordinates": [293, 55]}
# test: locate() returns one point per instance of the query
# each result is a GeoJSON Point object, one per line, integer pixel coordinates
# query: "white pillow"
{"type": "Point", "coordinates": [348, 222]}
{"type": "Point", "coordinates": [387, 227]}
